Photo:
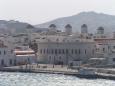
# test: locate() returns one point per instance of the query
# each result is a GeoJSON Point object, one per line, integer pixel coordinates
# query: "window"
{"type": "Point", "coordinates": [66, 51]}
{"type": "Point", "coordinates": [49, 58]}
{"type": "Point", "coordinates": [52, 51]}
{"type": "Point", "coordinates": [28, 59]}
{"type": "Point", "coordinates": [113, 59]}
{"type": "Point", "coordinates": [10, 61]}
{"type": "Point", "coordinates": [75, 51]}
{"type": "Point", "coordinates": [108, 47]}
{"type": "Point", "coordinates": [93, 51]}
{"type": "Point", "coordinates": [63, 51]}
{"type": "Point", "coordinates": [41, 51]}
{"type": "Point", "coordinates": [44, 51]}
{"type": "Point", "coordinates": [79, 51]}
{"type": "Point", "coordinates": [2, 62]}
{"type": "Point", "coordinates": [55, 51]}
{"type": "Point", "coordinates": [72, 51]}
{"type": "Point", "coordinates": [47, 51]}
{"type": "Point", "coordinates": [4, 52]}
{"type": "Point", "coordinates": [85, 51]}
{"type": "Point", "coordinates": [15, 62]}
{"type": "Point", "coordinates": [103, 49]}
{"type": "Point", "coordinates": [54, 60]}
{"type": "Point", "coordinates": [59, 51]}
{"type": "Point", "coordinates": [57, 39]}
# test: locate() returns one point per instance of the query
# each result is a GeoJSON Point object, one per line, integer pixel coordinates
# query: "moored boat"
{"type": "Point", "coordinates": [87, 73]}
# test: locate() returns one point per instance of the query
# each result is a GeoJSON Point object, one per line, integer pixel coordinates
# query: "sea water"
{"type": "Point", "coordinates": [40, 79]}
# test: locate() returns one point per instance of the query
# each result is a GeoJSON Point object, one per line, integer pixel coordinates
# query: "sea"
{"type": "Point", "coordinates": [41, 79]}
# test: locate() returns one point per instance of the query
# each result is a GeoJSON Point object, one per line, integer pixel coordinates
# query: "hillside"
{"type": "Point", "coordinates": [92, 19]}
{"type": "Point", "coordinates": [13, 26]}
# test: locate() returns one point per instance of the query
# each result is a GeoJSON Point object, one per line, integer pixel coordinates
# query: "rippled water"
{"type": "Point", "coordinates": [32, 79]}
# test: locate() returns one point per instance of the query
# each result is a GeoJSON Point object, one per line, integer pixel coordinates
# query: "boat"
{"type": "Point", "coordinates": [87, 73]}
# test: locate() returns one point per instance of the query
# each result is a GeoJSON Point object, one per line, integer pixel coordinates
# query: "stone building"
{"type": "Point", "coordinates": [62, 49]}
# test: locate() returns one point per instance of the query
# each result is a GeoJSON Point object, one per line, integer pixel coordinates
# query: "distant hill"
{"type": "Point", "coordinates": [92, 19]}
{"type": "Point", "coordinates": [13, 26]}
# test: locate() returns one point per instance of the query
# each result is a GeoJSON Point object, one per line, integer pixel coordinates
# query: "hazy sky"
{"type": "Point", "coordinates": [39, 11]}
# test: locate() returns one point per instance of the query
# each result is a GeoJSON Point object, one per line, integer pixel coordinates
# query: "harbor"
{"type": "Point", "coordinates": [83, 54]}
{"type": "Point", "coordinates": [88, 73]}
{"type": "Point", "coordinates": [57, 43]}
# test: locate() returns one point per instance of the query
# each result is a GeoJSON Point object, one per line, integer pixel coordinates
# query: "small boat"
{"type": "Point", "coordinates": [87, 73]}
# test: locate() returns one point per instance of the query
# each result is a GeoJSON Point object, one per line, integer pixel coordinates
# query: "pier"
{"type": "Point", "coordinates": [41, 68]}
{"type": "Point", "coordinates": [61, 69]}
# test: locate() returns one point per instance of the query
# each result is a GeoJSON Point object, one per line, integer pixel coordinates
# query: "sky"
{"type": "Point", "coordinates": [40, 11]}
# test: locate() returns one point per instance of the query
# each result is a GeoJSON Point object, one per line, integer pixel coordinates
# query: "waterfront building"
{"type": "Point", "coordinates": [56, 47]}
{"type": "Point", "coordinates": [6, 55]}
{"type": "Point", "coordinates": [111, 58]}
{"type": "Point", "coordinates": [104, 45]}
{"type": "Point", "coordinates": [24, 55]}
{"type": "Point", "coordinates": [62, 49]}
{"type": "Point", "coordinates": [17, 50]}
{"type": "Point", "coordinates": [105, 50]}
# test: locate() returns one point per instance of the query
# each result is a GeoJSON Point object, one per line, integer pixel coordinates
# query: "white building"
{"type": "Point", "coordinates": [104, 45]}
{"type": "Point", "coordinates": [111, 58]}
{"type": "Point", "coordinates": [24, 56]}
{"type": "Point", "coordinates": [6, 55]}
{"type": "Point", "coordinates": [62, 49]}
{"type": "Point", "coordinates": [105, 49]}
